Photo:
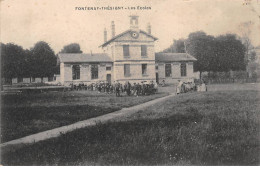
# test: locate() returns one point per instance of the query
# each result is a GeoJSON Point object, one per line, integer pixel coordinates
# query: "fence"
{"type": "Point", "coordinates": [231, 80]}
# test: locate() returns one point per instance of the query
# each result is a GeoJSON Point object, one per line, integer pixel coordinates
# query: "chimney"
{"type": "Point", "coordinates": [113, 29]}
{"type": "Point", "coordinates": [149, 31]}
{"type": "Point", "coordinates": [133, 22]}
{"type": "Point", "coordinates": [105, 35]}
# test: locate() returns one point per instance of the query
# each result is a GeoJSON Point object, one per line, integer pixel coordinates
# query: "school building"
{"type": "Point", "coordinates": [128, 56]}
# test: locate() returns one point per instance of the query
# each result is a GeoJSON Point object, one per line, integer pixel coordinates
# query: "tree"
{"type": "Point", "coordinates": [71, 48]}
{"type": "Point", "coordinates": [176, 47]}
{"type": "Point", "coordinates": [245, 30]}
{"type": "Point", "coordinates": [252, 56]}
{"type": "Point", "coordinates": [201, 46]}
{"type": "Point", "coordinates": [42, 61]}
{"type": "Point", "coordinates": [231, 53]}
{"type": "Point", "coordinates": [12, 61]}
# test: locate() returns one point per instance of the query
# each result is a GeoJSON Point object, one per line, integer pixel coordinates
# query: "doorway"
{"type": "Point", "coordinates": [157, 77]}
{"type": "Point", "coordinates": [109, 78]}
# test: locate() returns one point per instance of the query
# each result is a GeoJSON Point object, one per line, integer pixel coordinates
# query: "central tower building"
{"type": "Point", "coordinates": [132, 53]}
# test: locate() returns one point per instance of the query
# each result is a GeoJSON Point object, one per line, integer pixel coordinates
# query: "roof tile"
{"type": "Point", "coordinates": [173, 57]}
{"type": "Point", "coordinates": [87, 57]}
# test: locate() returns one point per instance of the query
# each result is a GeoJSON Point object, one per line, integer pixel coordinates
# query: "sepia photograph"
{"type": "Point", "coordinates": [130, 82]}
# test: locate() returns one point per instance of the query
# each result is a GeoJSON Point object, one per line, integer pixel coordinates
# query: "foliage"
{"type": "Point", "coordinates": [176, 47]}
{"type": "Point", "coordinates": [252, 56]}
{"type": "Point", "coordinates": [217, 54]}
{"type": "Point", "coordinates": [245, 29]}
{"type": "Point", "coordinates": [230, 52]}
{"type": "Point", "coordinates": [40, 61]}
{"type": "Point", "coordinates": [43, 60]}
{"type": "Point", "coordinates": [13, 61]}
{"type": "Point", "coordinates": [71, 48]}
{"type": "Point", "coordinates": [201, 46]}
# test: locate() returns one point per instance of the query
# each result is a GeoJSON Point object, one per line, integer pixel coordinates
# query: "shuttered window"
{"type": "Point", "coordinates": [75, 72]}
{"type": "Point", "coordinates": [168, 70]}
{"type": "Point", "coordinates": [143, 50]}
{"type": "Point", "coordinates": [126, 50]}
{"type": "Point", "coordinates": [127, 70]}
{"type": "Point", "coordinates": [183, 69]}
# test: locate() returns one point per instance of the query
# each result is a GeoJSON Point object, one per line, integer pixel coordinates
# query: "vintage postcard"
{"type": "Point", "coordinates": [130, 82]}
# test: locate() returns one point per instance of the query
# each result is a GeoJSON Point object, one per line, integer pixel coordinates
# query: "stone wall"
{"type": "Point", "coordinates": [134, 51]}
{"type": "Point", "coordinates": [135, 59]}
{"type": "Point", "coordinates": [135, 71]}
{"type": "Point", "coordinates": [176, 72]}
{"type": "Point", "coordinates": [85, 73]}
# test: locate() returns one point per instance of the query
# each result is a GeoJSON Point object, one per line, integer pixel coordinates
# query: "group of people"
{"type": "Point", "coordinates": [135, 89]}
{"type": "Point", "coordinates": [184, 87]}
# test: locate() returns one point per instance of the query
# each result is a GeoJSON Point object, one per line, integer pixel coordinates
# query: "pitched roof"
{"type": "Point", "coordinates": [87, 57]}
{"type": "Point", "coordinates": [173, 57]}
{"type": "Point", "coordinates": [121, 34]}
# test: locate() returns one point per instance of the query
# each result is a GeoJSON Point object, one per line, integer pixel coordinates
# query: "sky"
{"type": "Point", "coordinates": [25, 22]}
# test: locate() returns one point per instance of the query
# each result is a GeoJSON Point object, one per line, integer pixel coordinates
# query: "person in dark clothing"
{"type": "Point", "coordinates": [128, 89]}
{"type": "Point", "coordinates": [117, 89]}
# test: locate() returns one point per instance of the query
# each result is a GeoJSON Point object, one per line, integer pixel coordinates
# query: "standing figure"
{"type": "Point", "coordinates": [138, 89]}
{"type": "Point", "coordinates": [121, 88]}
{"type": "Point", "coordinates": [155, 87]}
{"type": "Point", "coordinates": [203, 87]}
{"type": "Point", "coordinates": [128, 89]}
{"type": "Point", "coordinates": [117, 86]}
{"type": "Point", "coordinates": [143, 88]}
{"type": "Point", "coordinates": [179, 87]}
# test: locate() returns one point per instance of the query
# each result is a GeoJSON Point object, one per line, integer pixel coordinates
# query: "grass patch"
{"type": "Point", "coordinates": [213, 128]}
{"type": "Point", "coordinates": [26, 114]}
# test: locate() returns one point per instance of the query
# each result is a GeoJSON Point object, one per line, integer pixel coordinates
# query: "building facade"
{"type": "Point", "coordinates": [129, 56]}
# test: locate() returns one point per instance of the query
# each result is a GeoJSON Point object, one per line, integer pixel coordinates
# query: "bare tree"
{"type": "Point", "coordinates": [245, 30]}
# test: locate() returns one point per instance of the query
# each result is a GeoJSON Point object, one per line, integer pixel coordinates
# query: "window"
{"type": "Point", "coordinates": [20, 79]}
{"type": "Point", "coordinates": [144, 69]}
{"type": "Point", "coordinates": [143, 50]}
{"type": "Point", "coordinates": [183, 69]}
{"type": "Point", "coordinates": [108, 68]}
{"type": "Point", "coordinates": [168, 70]}
{"type": "Point", "coordinates": [156, 67]}
{"type": "Point", "coordinates": [94, 71]}
{"type": "Point", "coordinates": [126, 50]}
{"type": "Point", "coordinates": [75, 72]}
{"type": "Point", "coordinates": [127, 70]}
